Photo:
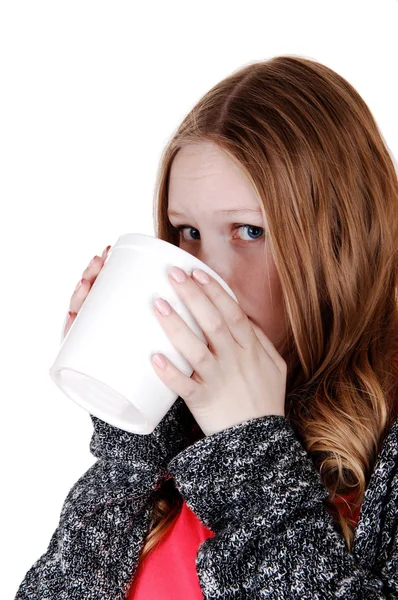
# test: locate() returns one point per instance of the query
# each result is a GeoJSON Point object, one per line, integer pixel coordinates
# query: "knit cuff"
{"type": "Point", "coordinates": [259, 465]}
{"type": "Point", "coordinates": [172, 435]}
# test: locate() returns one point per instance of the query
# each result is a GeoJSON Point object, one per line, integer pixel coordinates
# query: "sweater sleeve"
{"type": "Point", "coordinates": [106, 513]}
{"type": "Point", "coordinates": [103, 516]}
{"type": "Point", "coordinates": [255, 486]}
{"type": "Point", "coordinates": [45, 578]}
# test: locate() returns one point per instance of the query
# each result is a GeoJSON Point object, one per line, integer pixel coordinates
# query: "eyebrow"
{"type": "Point", "coordinates": [233, 211]}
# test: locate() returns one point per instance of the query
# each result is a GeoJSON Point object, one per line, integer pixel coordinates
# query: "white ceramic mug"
{"type": "Point", "coordinates": [104, 363]}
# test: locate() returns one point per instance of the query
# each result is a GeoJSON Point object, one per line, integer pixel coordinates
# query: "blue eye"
{"type": "Point", "coordinates": [257, 232]}
{"type": "Point", "coordinates": [253, 228]}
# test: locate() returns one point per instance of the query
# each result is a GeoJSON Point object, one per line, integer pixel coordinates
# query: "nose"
{"type": "Point", "coordinates": [219, 263]}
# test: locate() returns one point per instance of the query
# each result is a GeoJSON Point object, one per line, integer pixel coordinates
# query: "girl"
{"type": "Point", "coordinates": [274, 474]}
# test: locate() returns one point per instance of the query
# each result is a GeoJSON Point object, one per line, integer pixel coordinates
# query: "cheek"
{"type": "Point", "coordinates": [261, 297]}
{"type": "Point", "coordinates": [259, 283]}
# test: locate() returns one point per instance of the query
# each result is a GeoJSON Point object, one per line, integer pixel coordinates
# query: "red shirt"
{"type": "Point", "coordinates": [170, 570]}
{"type": "Point", "coordinates": [343, 503]}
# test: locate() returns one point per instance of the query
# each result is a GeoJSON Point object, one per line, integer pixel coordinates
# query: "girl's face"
{"type": "Point", "coordinates": [205, 189]}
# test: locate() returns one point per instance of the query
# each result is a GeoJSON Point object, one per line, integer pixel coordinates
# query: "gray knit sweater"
{"type": "Point", "coordinates": [253, 485]}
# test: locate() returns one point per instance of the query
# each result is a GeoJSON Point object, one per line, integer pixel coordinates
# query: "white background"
{"type": "Point", "coordinates": [90, 92]}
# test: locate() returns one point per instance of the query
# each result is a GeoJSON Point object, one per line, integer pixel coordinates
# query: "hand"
{"type": "Point", "coordinates": [238, 376]}
{"type": "Point", "coordinates": [82, 289]}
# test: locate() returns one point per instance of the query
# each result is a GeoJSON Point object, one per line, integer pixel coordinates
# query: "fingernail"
{"type": "Point", "coordinates": [177, 274]}
{"type": "Point", "coordinates": [163, 307]}
{"type": "Point", "coordinates": [201, 276]}
{"type": "Point", "coordinates": [159, 360]}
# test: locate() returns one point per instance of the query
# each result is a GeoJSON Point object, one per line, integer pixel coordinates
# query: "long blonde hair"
{"type": "Point", "coordinates": [328, 188]}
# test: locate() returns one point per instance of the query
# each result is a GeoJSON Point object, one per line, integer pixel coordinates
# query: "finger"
{"type": "Point", "coordinates": [79, 295]}
{"type": "Point", "coordinates": [69, 320]}
{"type": "Point", "coordinates": [92, 270]}
{"type": "Point", "coordinates": [186, 342]}
{"type": "Point", "coordinates": [269, 347]}
{"type": "Point", "coordinates": [219, 316]}
{"type": "Point", "coordinates": [89, 275]}
{"type": "Point", "coordinates": [208, 317]}
{"type": "Point", "coordinates": [83, 287]}
{"type": "Point", "coordinates": [175, 380]}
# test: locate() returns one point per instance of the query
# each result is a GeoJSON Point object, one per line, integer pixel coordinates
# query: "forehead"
{"type": "Point", "coordinates": [203, 174]}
